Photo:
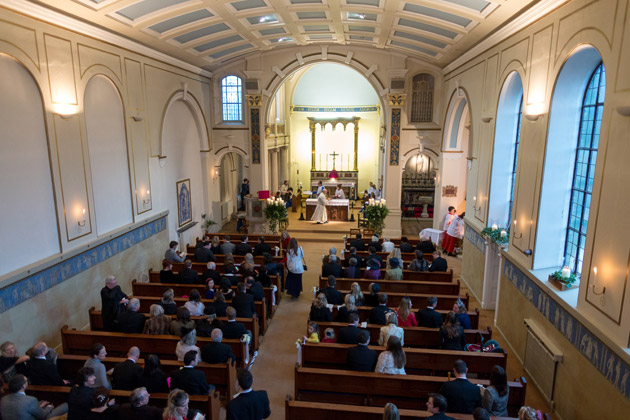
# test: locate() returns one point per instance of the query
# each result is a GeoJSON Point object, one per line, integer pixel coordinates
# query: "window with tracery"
{"type": "Point", "coordinates": [422, 98]}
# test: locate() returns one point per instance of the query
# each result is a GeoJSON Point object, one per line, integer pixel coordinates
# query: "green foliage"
{"type": "Point", "coordinates": [495, 235]}
{"type": "Point", "coordinates": [568, 281]}
{"type": "Point", "coordinates": [206, 223]}
{"type": "Point", "coordinates": [275, 215]}
{"type": "Point", "coordinates": [375, 215]}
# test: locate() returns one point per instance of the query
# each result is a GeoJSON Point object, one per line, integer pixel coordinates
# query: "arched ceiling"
{"type": "Point", "coordinates": [209, 33]}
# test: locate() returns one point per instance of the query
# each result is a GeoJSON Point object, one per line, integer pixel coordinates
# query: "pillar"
{"type": "Point", "coordinates": [274, 170]}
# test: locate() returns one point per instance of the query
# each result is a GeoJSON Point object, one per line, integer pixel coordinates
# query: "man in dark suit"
{"type": "Point", "coordinates": [243, 303]}
{"type": "Point", "coordinates": [216, 351]}
{"type": "Point", "coordinates": [17, 405]}
{"type": "Point", "coordinates": [350, 333]}
{"type": "Point", "coordinates": [113, 301]}
{"type": "Point", "coordinates": [375, 243]}
{"type": "Point", "coordinates": [333, 296]}
{"type": "Point", "coordinates": [439, 263]}
{"type": "Point", "coordinates": [378, 315]}
{"type": "Point", "coordinates": [190, 379]}
{"type": "Point", "coordinates": [243, 248]}
{"type": "Point", "coordinates": [462, 396]}
{"type": "Point", "coordinates": [232, 329]}
{"type": "Point", "coordinates": [248, 404]}
{"type": "Point", "coordinates": [138, 408]}
{"type": "Point", "coordinates": [41, 371]}
{"type": "Point", "coordinates": [429, 317]}
{"type": "Point", "coordinates": [360, 358]}
{"type": "Point", "coordinates": [204, 253]}
{"type": "Point", "coordinates": [353, 254]}
{"type": "Point", "coordinates": [255, 288]}
{"type": "Point", "coordinates": [405, 246]}
{"type": "Point", "coordinates": [425, 245]}
{"type": "Point", "coordinates": [130, 321]}
{"type": "Point", "coordinates": [437, 405]}
{"type": "Point", "coordinates": [331, 267]}
{"type": "Point", "coordinates": [211, 273]}
{"type": "Point", "coordinates": [262, 247]}
{"type": "Point", "coordinates": [358, 243]}
{"type": "Point", "coordinates": [188, 275]}
{"type": "Point", "coordinates": [126, 375]}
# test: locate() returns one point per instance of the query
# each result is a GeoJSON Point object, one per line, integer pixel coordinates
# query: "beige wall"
{"type": "Point", "coordinates": [473, 268]}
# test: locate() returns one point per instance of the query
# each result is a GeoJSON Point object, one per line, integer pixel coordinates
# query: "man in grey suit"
{"type": "Point", "coordinates": [227, 247]}
{"type": "Point", "coordinates": [19, 406]}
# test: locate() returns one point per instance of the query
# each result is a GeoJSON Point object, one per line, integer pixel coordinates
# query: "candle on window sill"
{"type": "Point", "coordinates": [494, 226]}
{"type": "Point", "coordinates": [566, 272]}
{"type": "Point", "coordinates": [503, 233]}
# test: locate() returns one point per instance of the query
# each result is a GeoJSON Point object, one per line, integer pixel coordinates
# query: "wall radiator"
{"type": "Point", "coordinates": [541, 360]}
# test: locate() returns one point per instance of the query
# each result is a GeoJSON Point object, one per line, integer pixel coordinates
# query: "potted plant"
{"type": "Point", "coordinates": [563, 279]}
{"type": "Point", "coordinates": [206, 223]}
{"type": "Point", "coordinates": [375, 213]}
{"type": "Point", "coordinates": [276, 214]}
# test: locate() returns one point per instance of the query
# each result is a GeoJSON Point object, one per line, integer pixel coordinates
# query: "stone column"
{"type": "Point", "coordinates": [274, 171]}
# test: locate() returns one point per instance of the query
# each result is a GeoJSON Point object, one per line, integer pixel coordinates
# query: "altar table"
{"type": "Point", "coordinates": [336, 209]}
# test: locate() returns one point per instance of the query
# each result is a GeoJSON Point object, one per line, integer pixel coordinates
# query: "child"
{"type": "Point", "coordinates": [329, 336]}
{"type": "Point", "coordinates": [313, 333]}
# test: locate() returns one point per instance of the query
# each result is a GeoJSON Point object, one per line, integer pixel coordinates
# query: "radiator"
{"type": "Point", "coordinates": [541, 360]}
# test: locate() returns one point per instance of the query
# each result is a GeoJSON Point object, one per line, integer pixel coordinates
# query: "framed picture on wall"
{"type": "Point", "coordinates": [184, 207]}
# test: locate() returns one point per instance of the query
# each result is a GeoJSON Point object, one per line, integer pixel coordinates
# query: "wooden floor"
{"type": "Point", "coordinates": [273, 369]}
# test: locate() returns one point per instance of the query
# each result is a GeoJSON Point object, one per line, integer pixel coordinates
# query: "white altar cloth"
{"type": "Point", "coordinates": [334, 202]}
{"type": "Point", "coordinates": [435, 235]}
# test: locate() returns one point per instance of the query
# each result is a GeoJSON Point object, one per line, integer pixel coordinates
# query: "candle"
{"type": "Point", "coordinates": [494, 226]}
{"type": "Point", "coordinates": [503, 233]}
{"type": "Point", "coordinates": [566, 272]}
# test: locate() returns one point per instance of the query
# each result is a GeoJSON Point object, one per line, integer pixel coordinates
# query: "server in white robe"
{"type": "Point", "coordinates": [339, 193]}
{"type": "Point", "coordinates": [320, 215]}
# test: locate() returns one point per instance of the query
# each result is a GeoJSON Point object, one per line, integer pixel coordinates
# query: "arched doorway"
{"type": "Point", "coordinates": [230, 174]}
{"type": "Point", "coordinates": [418, 189]}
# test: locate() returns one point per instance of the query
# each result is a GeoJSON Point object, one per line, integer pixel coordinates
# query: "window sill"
{"type": "Point", "coordinates": [570, 296]}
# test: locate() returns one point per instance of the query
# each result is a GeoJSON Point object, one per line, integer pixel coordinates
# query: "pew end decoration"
{"type": "Point", "coordinates": [276, 214]}
{"type": "Point", "coordinates": [497, 234]}
{"type": "Point", "coordinates": [563, 279]}
{"type": "Point", "coordinates": [375, 213]}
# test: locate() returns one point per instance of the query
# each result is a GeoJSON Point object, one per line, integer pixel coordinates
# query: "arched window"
{"type": "Point", "coordinates": [422, 98]}
{"type": "Point", "coordinates": [517, 141]}
{"type": "Point", "coordinates": [584, 169]}
{"type": "Point", "coordinates": [232, 98]}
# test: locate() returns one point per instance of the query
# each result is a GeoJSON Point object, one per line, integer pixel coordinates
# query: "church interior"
{"type": "Point", "coordinates": [515, 112]}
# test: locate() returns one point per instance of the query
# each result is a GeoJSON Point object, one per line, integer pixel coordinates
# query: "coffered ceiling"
{"type": "Point", "coordinates": [209, 33]}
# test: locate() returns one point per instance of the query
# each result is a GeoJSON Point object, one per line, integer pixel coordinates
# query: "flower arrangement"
{"type": "Point", "coordinates": [207, 223]}
{"type": "Point", "coordinates": [497, 234]}
{"type": "Point", "coordinates": [276, 214]}
{"type": "Point", "coordinates": [375, 213]}
{"type": "Point", "coordinates": [564, 277]}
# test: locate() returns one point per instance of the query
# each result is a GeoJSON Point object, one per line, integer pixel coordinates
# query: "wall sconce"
{"type": "Point", "coordinates": [137, 118]}
{"type": "Point", "coordinates": [594, 285]}
{"type": "Point", "coordinates": [520, 235]}
{"type": "Point", "coordinates": [534, 111]}
{"type": "Point", "coordinates": [81, 223]}
{"type": "Point", "coordinates": [65, 111]}
{"type": "Point", "coordinates": [147, 198]}
{"type": "Point", "coordinates": [475, 208]}
{"type": "Point", "coordinates": [486, 119]}
{"type": "Point", "coordinates": [624, 111]}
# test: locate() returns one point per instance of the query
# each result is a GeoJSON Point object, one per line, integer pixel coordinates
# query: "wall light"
{"type": "Point", "coordinates": [623, 111]}
{"type": "Point", "coordinates": [486, 119]}
{"type": "Point", "coordinates": [594, 285]}
{"type": "Point", "coordinates": [534, 111]}
{"type": "Point", "coordinates": [82, 222]}
{"type": "Point", "coordinates": [147, 198]}
{"type": "Point", "coordinates": [520, 235]}
{"type": "Point", "coordinates": [65, 110]}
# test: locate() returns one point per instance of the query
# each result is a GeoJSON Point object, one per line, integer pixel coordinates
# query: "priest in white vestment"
{"type": "Point", "coordinates": [320, 215]}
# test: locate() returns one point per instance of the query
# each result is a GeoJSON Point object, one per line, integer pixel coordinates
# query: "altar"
{"type": "Point", "coordinates": [337, 209]}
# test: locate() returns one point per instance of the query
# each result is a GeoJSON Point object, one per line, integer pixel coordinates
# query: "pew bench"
{"type": "Point", "coordinates": [397, 286]}
{"type": "Point", "coordinates": [445, 302]}
{"type": "Point", "coordinates": [364, 314]}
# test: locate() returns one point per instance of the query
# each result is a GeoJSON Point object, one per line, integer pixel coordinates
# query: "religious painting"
{"type": "Point", "coordinates": [449, 191]}
{"type": "Point", "coordinates": [184, 206]}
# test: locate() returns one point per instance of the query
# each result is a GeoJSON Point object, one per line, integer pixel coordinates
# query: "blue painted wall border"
{"type": "Point", "coordinates": [335, 109]}
{"type": "Point", "coordinates": [31, 286]}
{"type": "Point", "coordinates": [606, 361]}
{"type": "Point", "coordinates": [476, 239]}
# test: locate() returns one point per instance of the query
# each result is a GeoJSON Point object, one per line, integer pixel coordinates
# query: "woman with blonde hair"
{"type": "Point", "coordinates": [392, 361]}
{"type": "Point", "coordinates": [177, 408]}
{"type": "Point", "coordinates": [215, 246]}
{"type": "Point", "coordinates": [319, 309]}
{"type": "Point", "coordinates": [528, 413]}
{"type": "Point", "coordinates": [187, 343]}
{"type": "Point", "coordinates": [347, 308]}
{"type": "Point", "coordinates": [391, 412]}
{"type": "Point", "coordinates": [168, 302]}
{"type": "Point", "coordinates": [248, 258]}
{"type": "Point", "coordinates": [406, 318]}
{"type": "Point", "coordinates": [391, 329]}
{"type": "Point", "coordinates": [355, 291]}
{"type": "Point", "coordinates": [395, 253]}
{"type": "Point", "coordinates": [159, 323]}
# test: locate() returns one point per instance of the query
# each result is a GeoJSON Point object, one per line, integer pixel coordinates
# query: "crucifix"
{"type": "Point", "coordinates": [334, 156]}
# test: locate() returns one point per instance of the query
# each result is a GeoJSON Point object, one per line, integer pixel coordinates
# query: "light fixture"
{"type": "Point", "coordinates": [520, 235]}
{"type": "Point", "coordinates": [475, 208]}
{"type": "Point", "coordinates": [82, 222]}
{"type": "Point", "coordinates": [137, 118]}
{"type": "Point", "coordinates": [147, 198]}
{"type": "Point", "coordinates": [486, 119]}
{"type": "Point", "coordinates": [594, 285]}
{"type": "Point", "coordinates": [534, 111]}
{"type": "Point", "coordinates": [623, 111]}
{"type": "Point", "coordinates": [65, 111]}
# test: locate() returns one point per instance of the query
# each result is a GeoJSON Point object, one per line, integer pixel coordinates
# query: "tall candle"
{"type": "Point", "coordinates": [494, 226]}
{"type": "Point", "coordinates": [566, 272]}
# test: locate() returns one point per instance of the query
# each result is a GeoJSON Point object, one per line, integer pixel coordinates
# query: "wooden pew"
{"type": "Point", "coordinates": [154, 277]}
{"type": "Point", "coordinates": [305, 410]}
{"type": "Point", "coordinates": [96, 324]}
{"type": "Point", "coordinates": [444, 301]}
{"type": "Point", "coordinates": [236, 237]}
{"type": "Point", "coordinates": [79, 343]}
{"type": "Point", "coordinates": [414, 336]}
{"type": "Point", "coordinates": [407, 257]}
{"type": "Point", "coordinates": [258, 259]}
{"type": "Point", "coordinates": [396, 286]}
{"type": "Point", "coordinates": [420, 275]}
{"type": "Point", "coordinates": [208, 405]}
{"type": "Point", "coordinates": [364, 314]}
{"type": "Point", "coordinates": [419, 361]}
{"type": "Point", "coordinates": [222, 375]}
{"type": "Point", "coordinates": [261, 307]}
{"type": "Point", "coordinates": [377, 389]}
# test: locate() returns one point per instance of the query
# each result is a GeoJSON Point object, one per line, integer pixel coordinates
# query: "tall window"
{"type": "Point", "coordinates": [232, 98]}
{"type": "Point", "coordinates": [584, 170]}
{"type": "Point", "coordinates": [422, 98]}
{"type": "Point", "coordinates": [517, 140]}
